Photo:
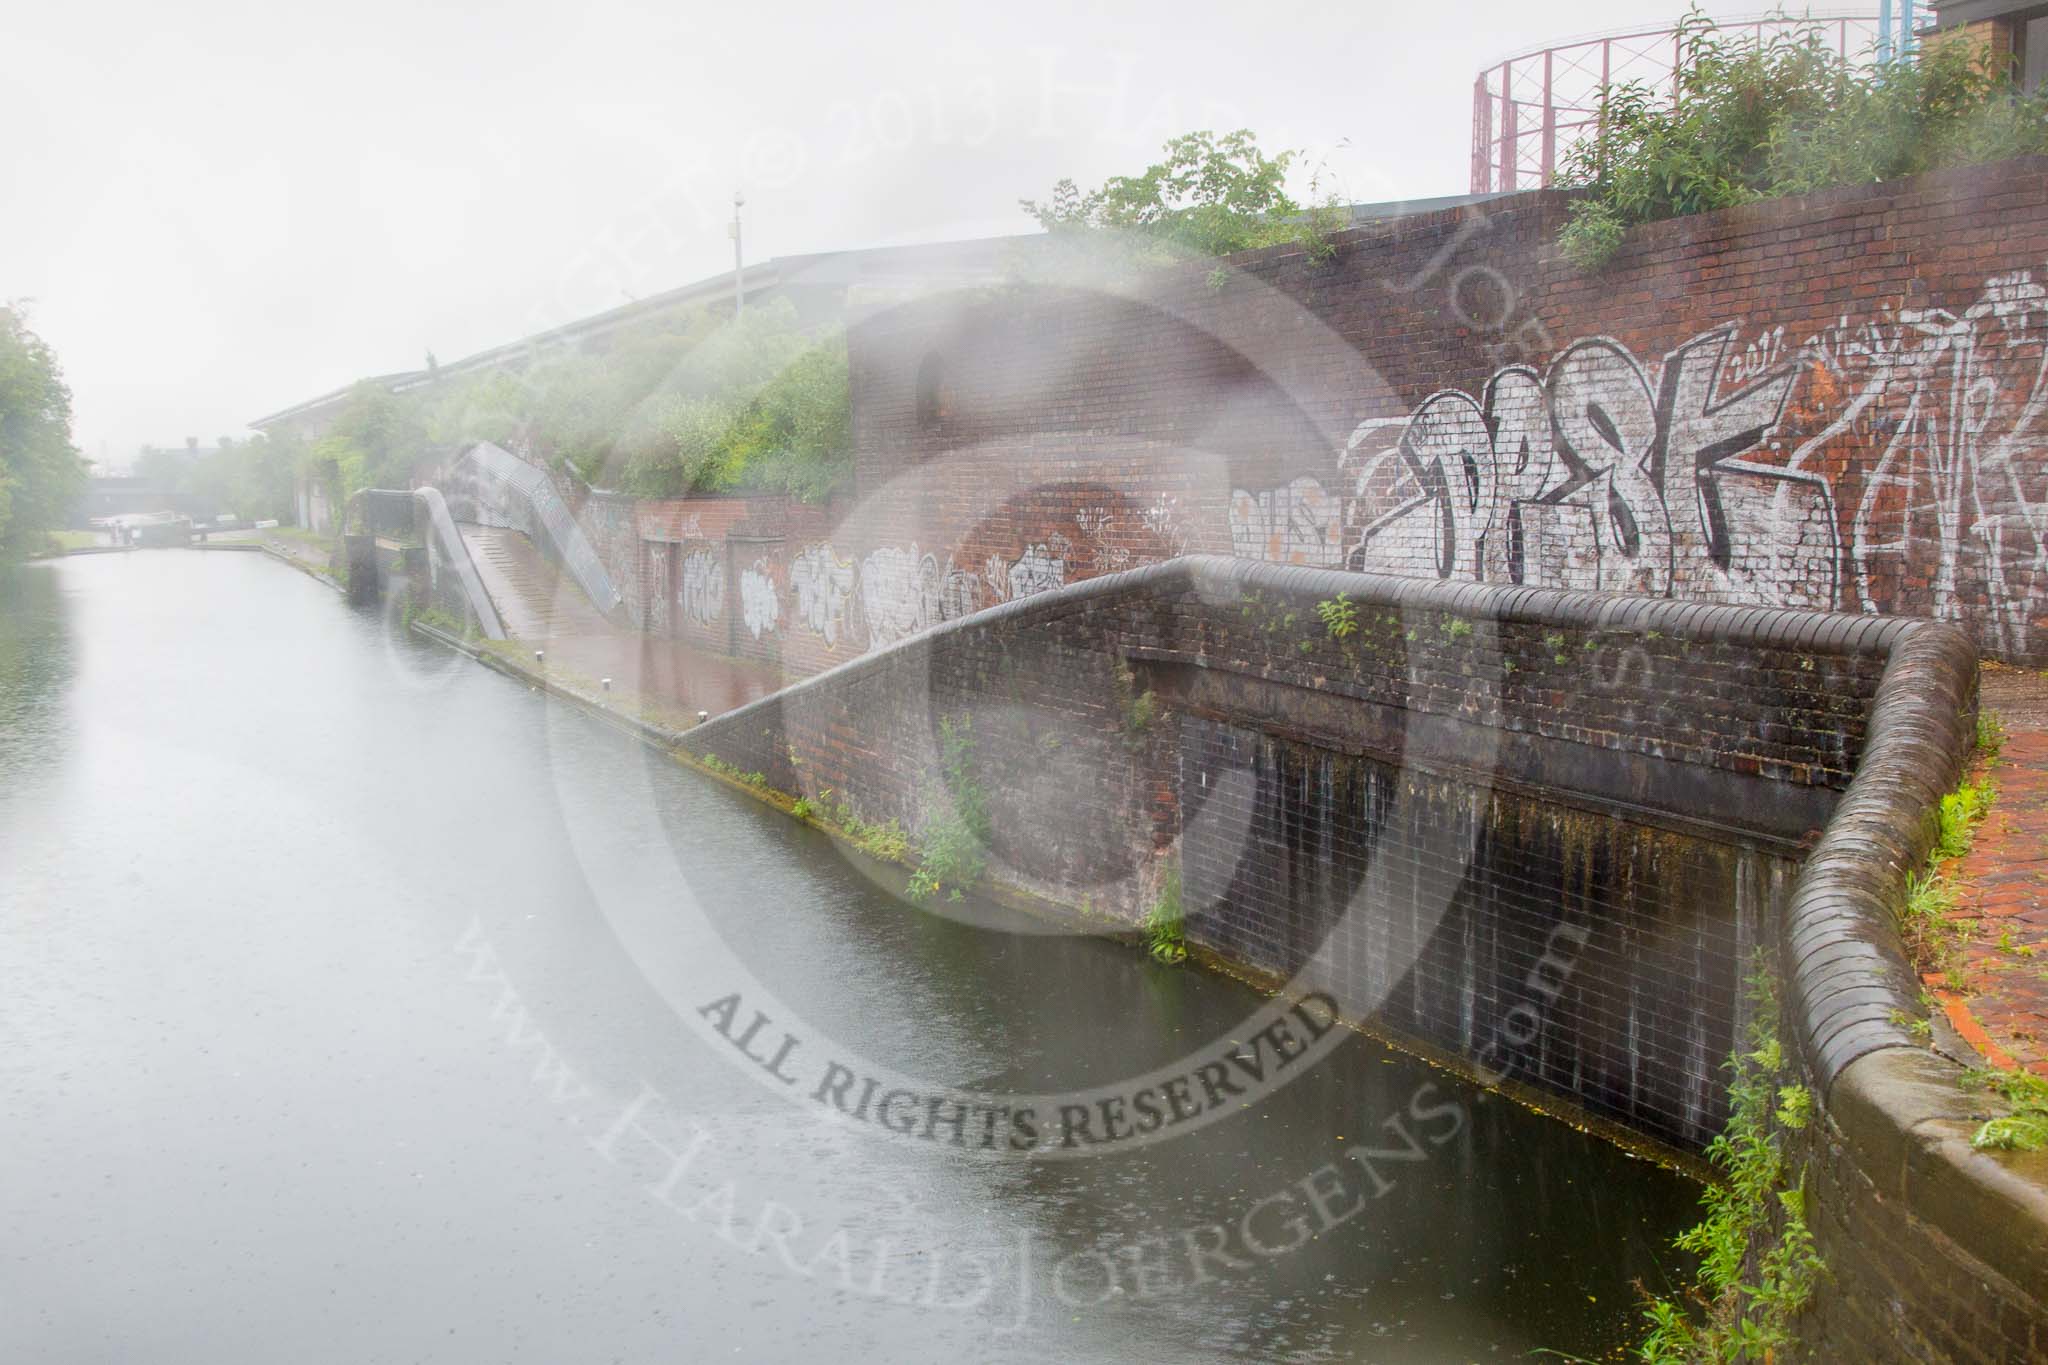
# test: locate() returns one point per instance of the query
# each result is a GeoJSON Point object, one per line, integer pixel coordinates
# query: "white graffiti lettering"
{"type": "Point", "coordinates": [1298, 524]}
{"type": "Point", "coordinates": [1599, 474]}
{"type": "Point", "coordinates": [823, 583]}
{"type": "Point", "coordinates": [760, 605]}
{"type": "Point", "coordinates": [1957, 498]}
{"type": "Point", "coordinates": [703, 586]}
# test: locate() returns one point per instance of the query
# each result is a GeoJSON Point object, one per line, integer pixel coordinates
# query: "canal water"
{"type": "Point", "coordinates": [346, 993]}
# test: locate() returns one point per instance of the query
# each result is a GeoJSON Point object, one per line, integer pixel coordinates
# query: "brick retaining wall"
{"type": "Point", "coordinates": [1612, 797]}
{"type": "Point", "coordinates": [1831, 401]}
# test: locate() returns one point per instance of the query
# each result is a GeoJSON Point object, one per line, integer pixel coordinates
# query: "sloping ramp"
{"type": "Point", "coordinates": [490, 486]}
{"type": "Point", "coordinates": [533, 598]}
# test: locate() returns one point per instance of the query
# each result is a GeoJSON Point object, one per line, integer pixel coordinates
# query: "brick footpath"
{"type": "Point", "coordinates": [2002, 887]}
{"type": "Point", "coordinates": [666, 680]}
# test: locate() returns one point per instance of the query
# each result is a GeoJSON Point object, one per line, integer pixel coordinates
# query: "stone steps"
{"type": "Point", "coordinates": [535, 600]}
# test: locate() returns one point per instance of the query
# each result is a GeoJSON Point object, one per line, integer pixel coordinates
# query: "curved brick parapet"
{"type": "Point", "coordinates": [1809, 749]}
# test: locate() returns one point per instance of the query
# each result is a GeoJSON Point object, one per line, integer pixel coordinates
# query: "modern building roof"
{"type": "Point", "coordinates": [916, 265]}
{"type": "Point", "coordinates": [939, 263]}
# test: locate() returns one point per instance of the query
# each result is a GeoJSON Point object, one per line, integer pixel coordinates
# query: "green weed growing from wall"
{"type": "Point", "coordinates": [1140, 709]}
{"type": "Point", "coordinates": [1961, 810]}
{"type": "Point", "coordinates": [2023, 1130]}
{"type": "Point", "coordinates": [1340, 616]}
{"type": "Point", "coordinates": [1933, 936]}
{"type": "Point", "coordinates": [1990, 733]}
{"type": "Point", "coordinates": [1758, 1265]}
{"type": "Point", "coordinates": [953, 846]}
{"type": "Point", "coordinates": [1166, 922]}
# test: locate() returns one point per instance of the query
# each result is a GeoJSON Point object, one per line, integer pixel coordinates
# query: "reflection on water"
{"type": "Point", "coordinates": [333, 1039]}
{"type": "Point", "coordinates": [35, 663]}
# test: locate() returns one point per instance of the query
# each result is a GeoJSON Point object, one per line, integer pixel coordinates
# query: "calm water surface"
{"type": "Point", "coordinates": [339, 995]}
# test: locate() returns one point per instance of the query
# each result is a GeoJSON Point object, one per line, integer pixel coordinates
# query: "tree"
{"type": "Point", "coordinates": [756, 404]}
{"type": "Point", "coordinates": [41, 472]}
{"type": "Point", "coordinates": [252, 478]}
{"type": "Point", "coordinates": [376, 440]}
{"type": "Point", "coordinates": [1209, 196]}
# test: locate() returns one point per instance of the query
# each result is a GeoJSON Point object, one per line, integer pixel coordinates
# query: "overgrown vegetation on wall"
{"type": "Point", "coordinates": [1207, 196]}
{"type": "Point", "coordinates": [2025, 1129]}
{"type": "Point", "coordinates": [953, 844]}
{"type": "Point", "coordinates": [1933, 935]}
{"type": "Point", "coordinates": [1758, 1264]}
{"type": "Point", "coordinates": [1166, 921]}
{"type": "Point", "coordinates": [687, 404]}
{"type": "Point", "coordinates": [41, 473]}
{"type": "Point", "coordinates": [1786, 116]}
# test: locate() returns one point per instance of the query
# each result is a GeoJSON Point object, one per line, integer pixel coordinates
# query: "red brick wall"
{"type": "Point", "coordinates": [1830, 401]}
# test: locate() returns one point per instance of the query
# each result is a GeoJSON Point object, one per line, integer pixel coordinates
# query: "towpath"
{"type": "Point", "coordinates": [2002, 886]}
{"type": "Point", "coordinates": [664, 680]}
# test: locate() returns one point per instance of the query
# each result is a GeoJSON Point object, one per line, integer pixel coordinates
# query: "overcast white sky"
{"type": "Point", "coordinates": [222, 208]}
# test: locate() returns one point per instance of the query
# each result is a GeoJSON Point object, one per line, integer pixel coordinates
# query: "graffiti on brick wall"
{"type": "Point", "coordinates": [1954, 514]}
{"type": "Point", "coordinates": [1894, 462]}
{"type": "Point", "coordinates": [1163, 520]}
{"type": "Point", "coordinates": [1037, 570]}
{"type": "Point", "coordinates": [903, 592]}
{"type": "Point", "coordinates": [1095, 519]}
{"type": "Point", "coordinates": [1298, 524]}
{"type": "Point", "coordinates": [760, 604]}
{"type": "Point", "coordinates": [1601, 473]}
{"type": "Point", "coordinates": [823, 585]}
{"type": "Point", "coordinates": [656, 595]}
{"type": "Point", "coordinates": [702, 589]}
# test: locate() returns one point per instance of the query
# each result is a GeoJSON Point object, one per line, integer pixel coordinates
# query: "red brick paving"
{"type": "Point", "coordinates": [665, 680]}
{"type": "Point", "coordinates": [2002, 885]}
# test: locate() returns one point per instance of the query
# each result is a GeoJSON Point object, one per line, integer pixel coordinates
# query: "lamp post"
{"type": "Point", "coordinates": [739, 270]}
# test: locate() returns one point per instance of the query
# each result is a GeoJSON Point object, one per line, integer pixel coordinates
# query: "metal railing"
{"type": "Point", "coordinates": [1530, 109]}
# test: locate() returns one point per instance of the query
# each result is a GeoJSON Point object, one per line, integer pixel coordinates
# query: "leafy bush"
{"type": "Point", "coordinates": [1208, 196]}
{"type": "Point", "coordinates": [1592, 235]}
{"type": "Point", "coordinates": [1786, 115]}
{"type": "Point", "coordinates": [770, 414]}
